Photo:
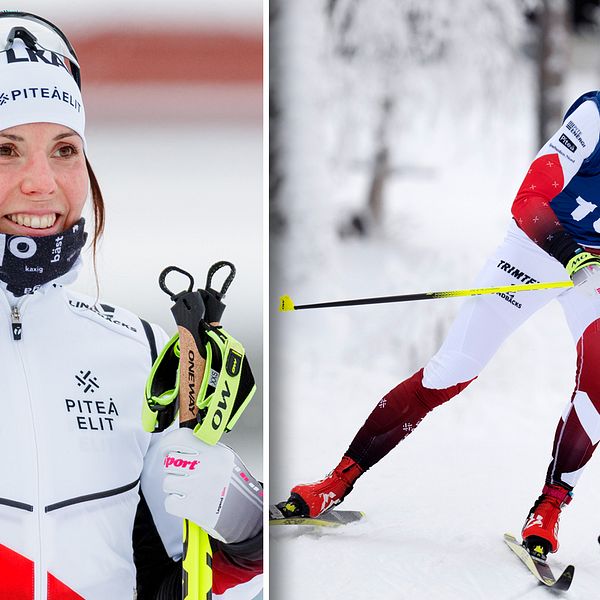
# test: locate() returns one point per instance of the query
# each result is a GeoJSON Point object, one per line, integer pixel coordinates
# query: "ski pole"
{"type": "Point", "coordinates": [286, 304]}
{"type": "Point", "coordinates": [189, 310]}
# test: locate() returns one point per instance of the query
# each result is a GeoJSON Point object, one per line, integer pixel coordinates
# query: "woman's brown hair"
{"type": "Point", "coordinates": [98, 204]}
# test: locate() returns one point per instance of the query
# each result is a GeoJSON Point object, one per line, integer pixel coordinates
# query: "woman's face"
{"type": "Point", "coordinates": [43, 179]}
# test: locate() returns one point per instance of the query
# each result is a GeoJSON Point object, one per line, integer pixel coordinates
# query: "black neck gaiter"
{"type": "Point", "coordinates": [26, 262]}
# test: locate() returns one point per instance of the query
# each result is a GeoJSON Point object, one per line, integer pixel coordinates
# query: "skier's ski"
{"type": "Point", "coordinates": [539, 568]}
{"type": "Point", "coordinates": [332, 518]}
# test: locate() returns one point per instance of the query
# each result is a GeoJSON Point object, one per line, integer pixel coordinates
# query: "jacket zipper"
{"type": "Point", "coordinates": [17, 325]}
{"type": "Point", "coordinates": [17, 318]}
{"type": "Point", "coordinates": [17, 333]}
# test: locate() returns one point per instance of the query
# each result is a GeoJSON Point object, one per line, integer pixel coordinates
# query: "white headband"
{"type": "Point", "coordinates": [35, 87]}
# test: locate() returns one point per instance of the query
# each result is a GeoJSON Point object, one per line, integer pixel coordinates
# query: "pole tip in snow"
{"type": "Point", "coordinates": [286, 304]}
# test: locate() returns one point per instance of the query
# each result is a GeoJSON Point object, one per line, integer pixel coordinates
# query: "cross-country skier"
{"type": "Point", "coordinates": [83, 513]}
{"type": "Point", "coordinates": [555, 233]}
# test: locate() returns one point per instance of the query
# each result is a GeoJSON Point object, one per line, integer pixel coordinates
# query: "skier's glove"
{"type": "Point", "coordinates": [584, 270]}
{"type": "Point", "coordinates": [210, 486]}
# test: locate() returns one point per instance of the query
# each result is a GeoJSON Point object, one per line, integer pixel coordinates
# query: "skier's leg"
{"type": "Point", "coordinates": [578, 430]}
{"type": "Point", "coordinates": [483, 323]}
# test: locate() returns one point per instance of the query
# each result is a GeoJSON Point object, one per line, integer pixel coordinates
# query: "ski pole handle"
{"type": "Point", "coordinates": [191, 310]}
{"type": "Point", "coordinates": [201, 306]}
{"type": "Point", "coordinates": [191, 370]}
{"type": "Point", "coordinates": [197, 553]}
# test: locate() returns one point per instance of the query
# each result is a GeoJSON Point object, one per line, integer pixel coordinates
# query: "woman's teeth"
{"type": "Point", "coordinates": [34, 221]}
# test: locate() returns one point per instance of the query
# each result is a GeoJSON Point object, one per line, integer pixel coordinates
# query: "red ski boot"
{"type": "Point", "coordinates": [313, 499]}
{"type": "Point", "coordinates": [540, 532]}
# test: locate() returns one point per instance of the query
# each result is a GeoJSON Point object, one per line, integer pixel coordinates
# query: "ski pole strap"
{"type": "Point", "coordinates": [213, 299]}
{"type": "Point", "coordinates": [219, 397]}
{"type": "Point", "coordinates": [209, 305]}
{"type": "Point", "coordinates": [162, 389]}
{"type": "Point", "coordinates": [227, 386]}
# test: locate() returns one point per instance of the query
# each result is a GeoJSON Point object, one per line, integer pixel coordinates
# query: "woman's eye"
{"type": "Point", "coordinates": [66, 151]}
{"type": "Point", "coordinates": [7, 150]}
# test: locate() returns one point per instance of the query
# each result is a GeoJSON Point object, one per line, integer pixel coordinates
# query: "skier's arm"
{"type": "Point", "coordinates": [556, 164]}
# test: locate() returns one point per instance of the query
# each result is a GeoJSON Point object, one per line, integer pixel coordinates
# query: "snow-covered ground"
{"type": "Point", "coordinates": [437, 506]}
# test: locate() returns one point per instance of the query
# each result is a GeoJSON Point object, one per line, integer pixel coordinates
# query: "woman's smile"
{"type": "Point", "coordinates": [34, 221]}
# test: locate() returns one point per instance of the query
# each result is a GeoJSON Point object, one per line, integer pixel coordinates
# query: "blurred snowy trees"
{"type": "Point", "coordinates": [371, 68]}
{"type": "Point", "coordinates": [276, 216]}
{"type": "Point", "coordinates": [552, 61]}
{"type": "Point", "coordinates": [384, 55]}
{"type": "Point", "coordinates": [550, 21]}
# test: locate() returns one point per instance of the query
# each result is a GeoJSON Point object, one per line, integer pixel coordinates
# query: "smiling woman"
{"type": "Point", "coordinates": [43, 188]}
{"type": "Point", "coordinates": [82, 505]}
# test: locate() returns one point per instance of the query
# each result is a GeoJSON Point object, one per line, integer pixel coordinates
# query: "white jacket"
{"type": "Point", "coordinates": [74, 450]}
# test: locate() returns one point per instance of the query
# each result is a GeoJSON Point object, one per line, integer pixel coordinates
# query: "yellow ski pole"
{"type": "Point", "coordinates": [286, 304]}
{"type": "Point", "coordinates": [189, 310]}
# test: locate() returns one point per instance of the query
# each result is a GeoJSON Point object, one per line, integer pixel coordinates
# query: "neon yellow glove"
{"type": "Point", "coordinates": [584, 271]}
